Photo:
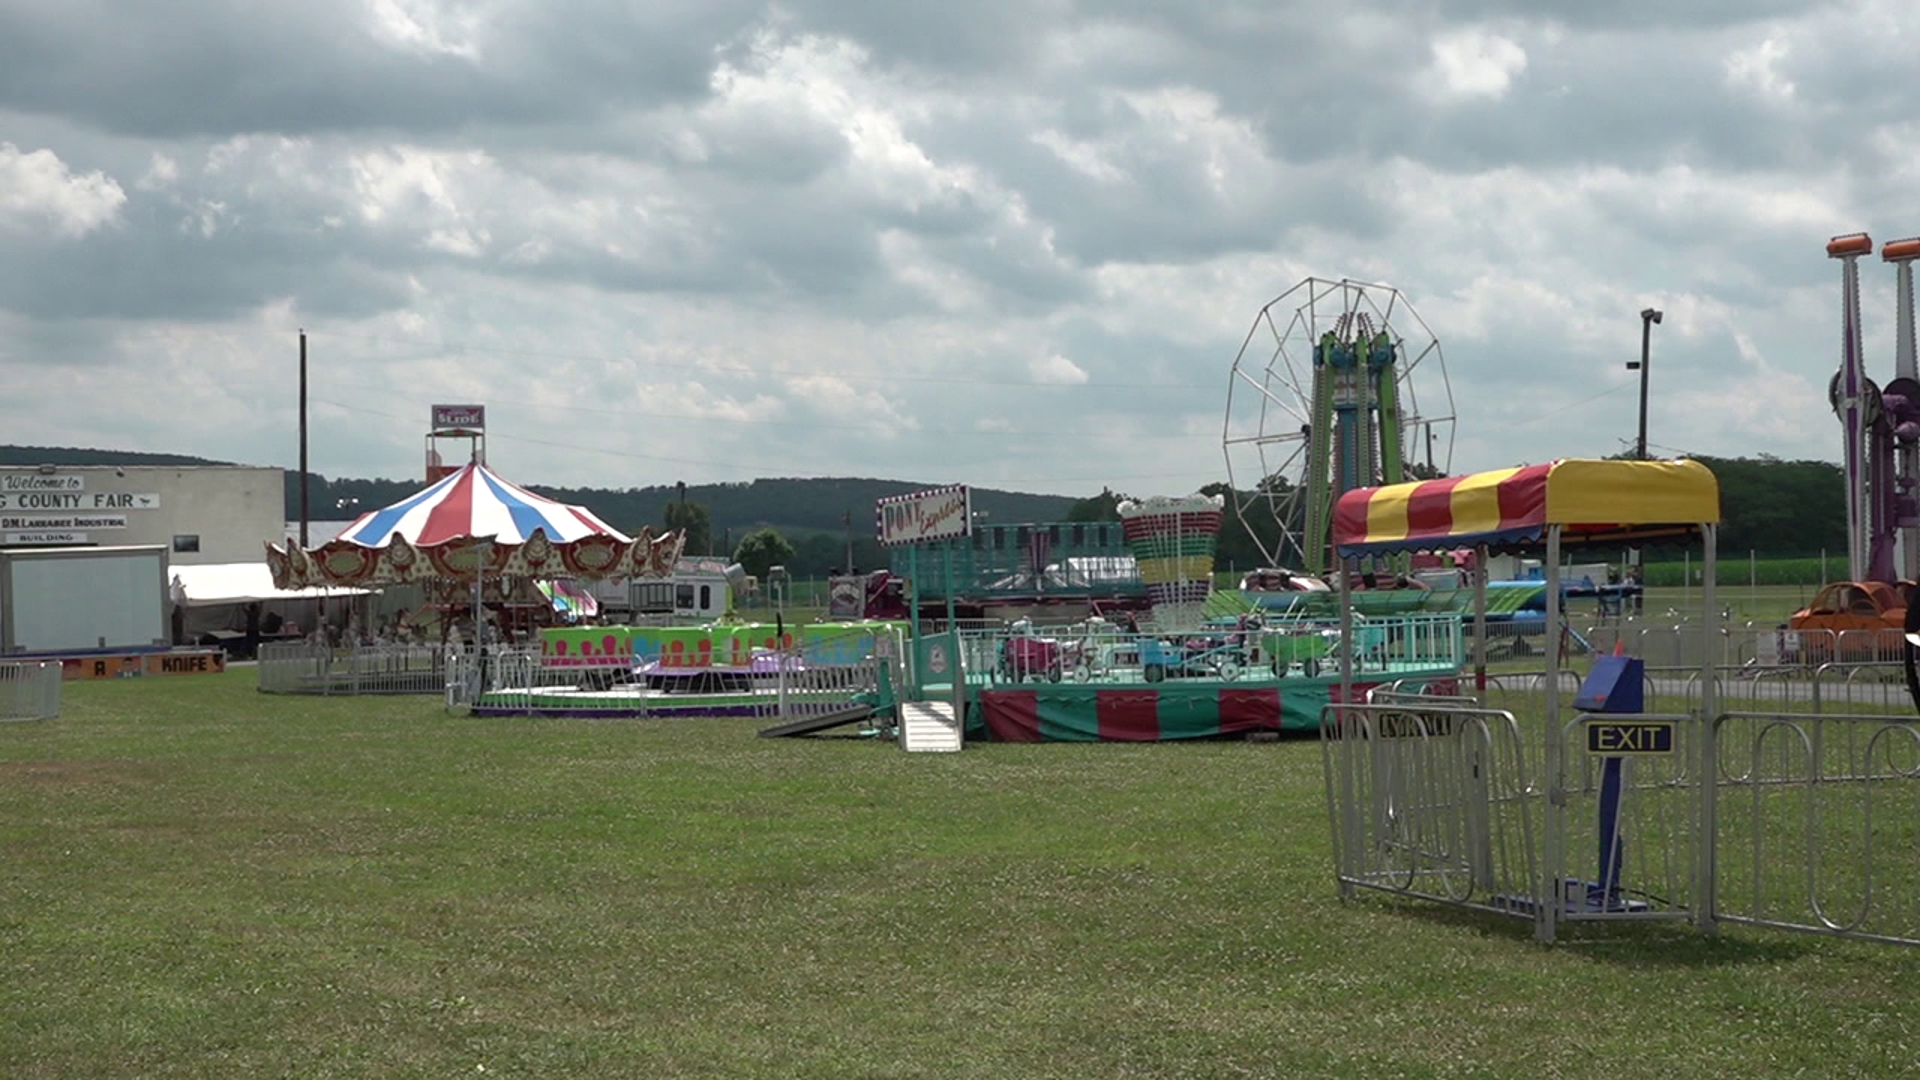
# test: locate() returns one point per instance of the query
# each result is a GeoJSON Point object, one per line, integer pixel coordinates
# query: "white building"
{"type": "Point", "coordinates": [200, 513]}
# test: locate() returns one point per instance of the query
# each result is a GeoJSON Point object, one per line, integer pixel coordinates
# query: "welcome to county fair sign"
{"type": "Point", "coordinates": [935, 514]}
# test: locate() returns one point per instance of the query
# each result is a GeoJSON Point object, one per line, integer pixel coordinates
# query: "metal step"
{"type": "Point", "coordinates": [928, 727]}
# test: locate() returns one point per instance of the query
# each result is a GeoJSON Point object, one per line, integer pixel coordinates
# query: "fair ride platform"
{"type": "Point", "coordinates": [1135, 710]}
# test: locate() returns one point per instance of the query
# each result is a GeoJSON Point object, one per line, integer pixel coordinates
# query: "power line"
{"type": "Point", "coordinates": [810, 424]}
{"type": "Point", "coordinates": [890, 377]}
{"type": "Point", "coordinates": [1538, 417]}
{"type": "Point", "coordinates": [736, 466]}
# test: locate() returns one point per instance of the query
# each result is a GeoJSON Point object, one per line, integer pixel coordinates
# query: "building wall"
{"type": "Point", "coordinates": [201, 514]}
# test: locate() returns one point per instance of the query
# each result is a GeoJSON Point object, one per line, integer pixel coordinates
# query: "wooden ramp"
{"type": "Point", "coordinates": [825, 721]}
{"type": "Point", "coordinates": [928, 727]}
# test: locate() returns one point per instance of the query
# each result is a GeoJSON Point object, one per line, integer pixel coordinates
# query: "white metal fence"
{"type": "Point", "coordinates": [29, 690]}
{"type": "Point", "coordinates": [504, 681]}
{"type": "Point", "coordinates": [1753, 646]}
{"type": "Point", "coordinates": [1771, 814]}
{"type": "Point", "coordinates": [1095, 650]}
{"type": "Point", "coordinates": [1458, 804]}
{"type": "Point", "coordinates": [1832, 688]}
{"type": "Point", "coordinates": [790, 684]}
{"type": "Point", "coordinates": [307, 668]}
{"type": "Point", "coordinates": [1433, 801]}
{"type": "Point", "coordinates": [1817, 823]}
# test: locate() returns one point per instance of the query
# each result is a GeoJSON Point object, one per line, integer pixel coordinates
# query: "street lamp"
{"type": "Point", "coordinates": [1648, 316]}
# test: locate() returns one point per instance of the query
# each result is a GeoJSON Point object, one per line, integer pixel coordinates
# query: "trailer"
{"type": "Point", "coordinates": [63, 601]}
{"type": "Point", "coordinates": [699, 589]}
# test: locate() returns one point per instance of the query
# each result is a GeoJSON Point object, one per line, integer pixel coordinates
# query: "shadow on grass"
{"type": "Point", "coordinates": [1641, 945]}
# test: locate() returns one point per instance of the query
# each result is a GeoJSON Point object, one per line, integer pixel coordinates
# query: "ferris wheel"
{"type": "Point", "coordinates": [1339, 385]}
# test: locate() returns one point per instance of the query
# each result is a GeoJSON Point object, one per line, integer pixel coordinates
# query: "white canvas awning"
{"type": "Point", "coordinates": [240, 583]}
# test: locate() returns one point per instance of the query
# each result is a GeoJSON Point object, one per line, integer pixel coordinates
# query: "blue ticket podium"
{"type": "Point", "coordinates": [1617, 684]}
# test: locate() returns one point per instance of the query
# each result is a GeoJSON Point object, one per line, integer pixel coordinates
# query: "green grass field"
{"type": "Point", "coordinates": [200, 881]}
{"type": "Point", "coordinates": [1769, 604]}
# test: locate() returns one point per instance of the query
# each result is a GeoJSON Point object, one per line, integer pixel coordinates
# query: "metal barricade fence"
{"type": "Point", "coordinates": [1449, 802]}
{"type": "Point", "coordinates": [1817, 823]}
{"type": "Point", "coordinates": [293, 667]}
{"type": "Point", "coordinates": [511, 681]}
{"type": "Point", "coordinates": [1425, 689]}
{"type": "Point", "coordinates": [1430, 800]}
{"type": "Point", "coordinates": [807, 678]}
{"type": "Point", "coordinates": [1746, 648]}
{"type": "Point", "coordinates": [382, 668]}
{"type": "Point", "coordinates": [1100, 651]}
{"type": "Point", "coordinates": [1431, 641]}
{"type": "Point", "coordinates": [804, 690]}
{"type": "Point", "coordinates": [1797, 807]}
{"type": "Point", "coordinates": [461, 678]}
{"type": "Point", "coordinates": [29, 690]}
{"type": "Point", "coordinates": [1878, 687]}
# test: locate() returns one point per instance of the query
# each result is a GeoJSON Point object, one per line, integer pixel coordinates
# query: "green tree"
{"type": "Point", "coordinates": [818, 555]}
{"type": "Point", "coordinates": [1102, 507]}
{"type": "Point", "coordinates": [693, 517]}
{"type": "Point", "coordinates": [1780, 508]}
{"type": "Point", "coordinates": [761, 549]}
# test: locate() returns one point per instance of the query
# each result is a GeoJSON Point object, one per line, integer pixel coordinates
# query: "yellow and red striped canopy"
{"type": "Point", "coordinates": [1592, 501]}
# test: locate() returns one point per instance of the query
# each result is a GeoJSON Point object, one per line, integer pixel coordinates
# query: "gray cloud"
{"type": "Point", "coordinates": [994, 242]}
{"type": "Point", "coordinates": [209, 68]}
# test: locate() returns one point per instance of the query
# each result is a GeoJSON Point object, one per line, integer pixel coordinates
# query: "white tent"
{"type": "Point", "coordinates": [211, 601]}
{"type": "Point", "coordinates": [214, 584]}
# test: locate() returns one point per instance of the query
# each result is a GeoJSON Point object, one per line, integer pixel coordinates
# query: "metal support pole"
{"type": "Point", "coordinates": [1552, 883]}
{"type": "Point", "coordinates": [1480, 556]}
{"type": "Point", "coordinates": [1646, 347]}
{"type": "Point", "coordinates": [303, 438]}
{"type": "Point", "coordinates": [947, 582]}
{"type": "Point", "coordinates": [1706, 762]}
{"type": "Point", "coordinates": [913, 602]}
{"type": "Point", "coordinates": [480, 551]}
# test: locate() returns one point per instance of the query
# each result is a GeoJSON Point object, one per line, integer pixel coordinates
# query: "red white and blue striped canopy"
{"type": "Point", "coordinates": [475, 503]}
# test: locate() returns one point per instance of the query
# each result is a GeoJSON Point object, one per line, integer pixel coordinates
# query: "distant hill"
{"type": "Point", "coordinates": [795, 507]}
{"type": "Point", "coordinates": [1770, 508]}
{"type": "Point", "coordinates": [74, 455]}
{"type": "Point", "coordinates": [799, 508]}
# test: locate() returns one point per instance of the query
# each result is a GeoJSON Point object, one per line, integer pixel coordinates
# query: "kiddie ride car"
{"type": "Point", "coordinates": [1233, 649]}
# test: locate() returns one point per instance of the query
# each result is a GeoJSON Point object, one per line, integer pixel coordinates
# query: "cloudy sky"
{"type": "Point", "coordinates": [1016, 244]}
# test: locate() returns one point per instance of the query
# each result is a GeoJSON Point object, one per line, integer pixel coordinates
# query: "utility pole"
{"type": "Point", "coordinates": [303, 437]}
{"type": "Point", "coordinates": [1648, 317]}
{"type": "Point", "coordinates": [846, 518]}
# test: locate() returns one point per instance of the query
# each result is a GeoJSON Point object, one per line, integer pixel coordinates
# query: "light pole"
{"type": "Point", "coordinates": [303, 438]}
{"type": "Point", "coordinates": [1648, 316]}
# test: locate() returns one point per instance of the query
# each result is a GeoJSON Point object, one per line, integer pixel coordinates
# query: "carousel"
{"type": "Point", "coordinates": [474, 541]}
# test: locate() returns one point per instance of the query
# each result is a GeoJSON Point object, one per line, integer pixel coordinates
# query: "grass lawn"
{"type": "Point", "coordinates": [201, 881]}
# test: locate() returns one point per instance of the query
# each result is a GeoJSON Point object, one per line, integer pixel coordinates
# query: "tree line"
{"type": "Point", "coordinates": [1770, 507]}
